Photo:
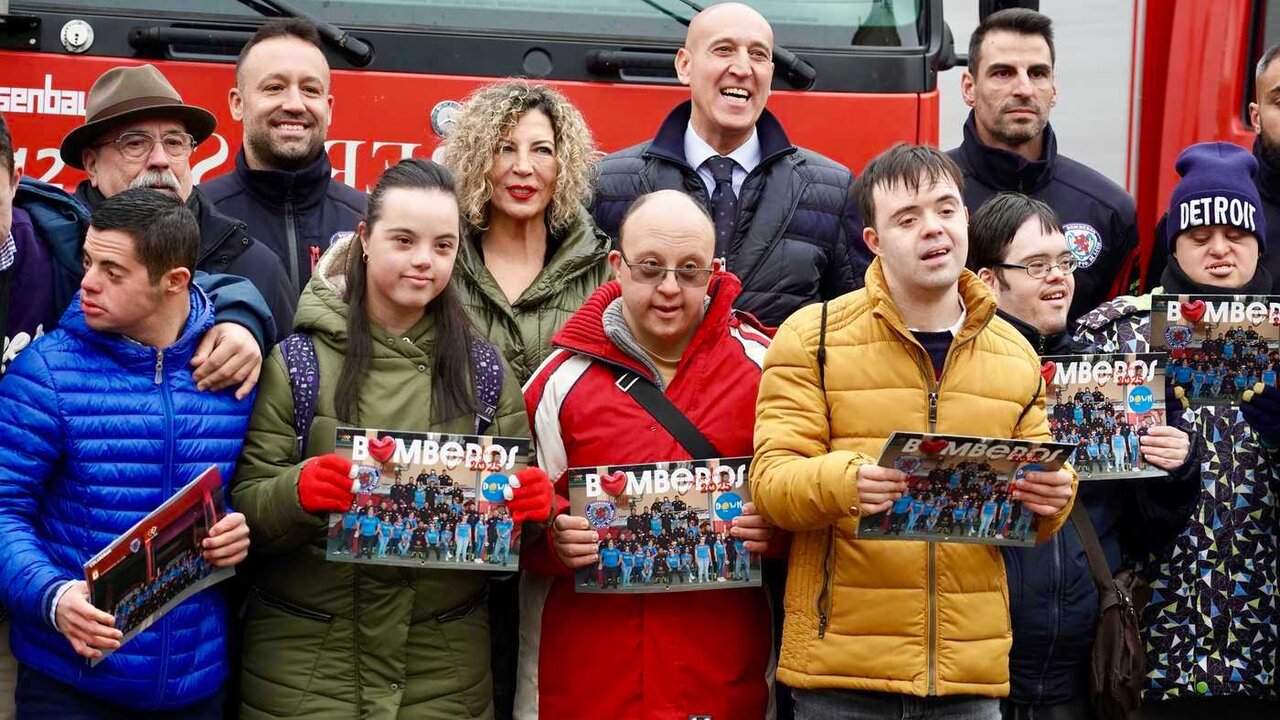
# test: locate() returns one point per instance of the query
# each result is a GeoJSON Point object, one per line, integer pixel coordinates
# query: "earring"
{"type": "Point", "coordinates": [365, 257]}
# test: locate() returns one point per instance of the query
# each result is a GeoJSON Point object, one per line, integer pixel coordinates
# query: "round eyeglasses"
{"type": "Point", "coordinates": [138, 145]}
{"type": "Point", "coordinates": [649, 272]}
{"type": "Point", "coordinates": [1040, 269]}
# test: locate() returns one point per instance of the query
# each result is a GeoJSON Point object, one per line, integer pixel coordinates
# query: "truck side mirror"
{"type": "Point", "coordinates": [947, 57]}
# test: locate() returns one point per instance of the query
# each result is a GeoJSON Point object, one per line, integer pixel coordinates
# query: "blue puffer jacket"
{"type": "Point", "coordinates": [95, 432]}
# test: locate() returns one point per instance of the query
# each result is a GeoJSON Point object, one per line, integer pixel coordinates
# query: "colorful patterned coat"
{"type": "Point", "coordinates": [1211, 624]}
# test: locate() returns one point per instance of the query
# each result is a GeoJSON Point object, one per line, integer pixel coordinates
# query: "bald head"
{"type": "Point", "coordinates": [727, 62]}
{"type": "Point", "coordinates": [669, 215]}
{"type": "Point", "coordinates": [664, 266]}
{"type": "Point", "coordinates": [725, 17]}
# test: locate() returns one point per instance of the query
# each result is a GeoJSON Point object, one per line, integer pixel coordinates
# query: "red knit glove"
{"type": "Point", "coordinates": [326, 484]}
{"type": "Point", "coordinates": [528, 495]}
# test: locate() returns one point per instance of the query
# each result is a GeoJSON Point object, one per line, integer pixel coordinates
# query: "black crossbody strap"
{"type": "Point", "coordinates": [6, 280]}
{"type": "Point", "coordinates": [655, 402]}
{"type": "Point", "coordinates": [822, 350]}
{"type": "Point", "coordinates": [1092, 548]}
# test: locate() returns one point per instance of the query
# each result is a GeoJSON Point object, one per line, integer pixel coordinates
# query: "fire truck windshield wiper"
{"type": "Point", "coordinates": [355, 50]}
{"type": "Point", "coordinates": [798, 73]}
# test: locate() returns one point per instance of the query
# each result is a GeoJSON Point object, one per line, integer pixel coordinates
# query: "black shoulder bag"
{"type": "Point", "coordinates": [655, 402]}
{"type": "Point", "coordinates": [1119, 667]}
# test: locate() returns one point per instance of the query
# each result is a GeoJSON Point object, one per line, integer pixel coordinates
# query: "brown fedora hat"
{"type": "Point", "coordinates": [124, 94]}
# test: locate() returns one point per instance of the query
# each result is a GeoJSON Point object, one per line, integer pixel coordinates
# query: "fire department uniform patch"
{"type": "Point", "coordinates": [1085, 242]}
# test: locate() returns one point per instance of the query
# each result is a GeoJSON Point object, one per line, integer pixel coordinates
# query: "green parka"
{"type": "Point", "coordinates": [338, 640]}
{"type": "Point", "coordinates": [522, 330]}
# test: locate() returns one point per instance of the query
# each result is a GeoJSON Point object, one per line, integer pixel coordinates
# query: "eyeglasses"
{"type": "Point", "coordinates": [1040, 269]}
{"type": "Point", "coordinates": [138, 145]}
{"type": "Point", "coordinates": [651, 273]}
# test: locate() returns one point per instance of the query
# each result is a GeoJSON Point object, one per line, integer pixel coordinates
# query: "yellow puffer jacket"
{"type": "Point", "coordinates": [892, 616]}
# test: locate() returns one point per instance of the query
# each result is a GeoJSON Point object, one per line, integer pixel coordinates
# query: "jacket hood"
{"type": "Point", "coordinates": [60, 220]}
{"type": "Point", "coordinates": [134, 355]}
{"type": "Point", "coordinates": [304, 188]}
{"type": "Point", "coordinates": [323, 306]}
{"type": "Point", "coordinates": [582, 248]}
{"type": "Point", "coordinates": [584, 332]}
{"type": "Point", "coordinates": [980, 304]}
{"type": "Point", "coordinates": [669, 142]}
{"type": "Point", "coordinates": [1009, 170]}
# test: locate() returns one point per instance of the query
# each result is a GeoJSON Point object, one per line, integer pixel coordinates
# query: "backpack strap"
{"type": "Point", "coordinates": [486, 378]}
{"type": "Point", "coordinates": [6, 286]}
{"type": "Point", "coordinates": [822, 350]}
{"type": "Point", "coordinates": [304, 381]}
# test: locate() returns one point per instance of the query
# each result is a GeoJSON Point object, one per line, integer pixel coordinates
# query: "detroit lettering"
{"type": "Point", "coordinates": [1230, 311]}
{"type": "Point", "coordinates": [989, 451]}
{"type": "Point", "coordinates": [451, 454]}
{"type": "Point", "coordinates": [1216, 211]}
{"type": "Point", "coordinates": [657, 481]}
{"type": "Point", "coordinates": [1137, 372]}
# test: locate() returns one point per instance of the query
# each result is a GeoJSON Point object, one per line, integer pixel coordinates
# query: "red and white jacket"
{"type": "Point", "coordinates": [650, 656]}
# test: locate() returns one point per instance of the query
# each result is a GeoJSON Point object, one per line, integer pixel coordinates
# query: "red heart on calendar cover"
{"type": "Point", "coordinates": [381, 449]}
{"type": "Point", "coordinates": [614, 483]}
{"type": "Point", "coordinates": [1048, 370]}
{"type": "Point", "coordinates": [934, 446]}
{"type": "Point", "coordinates": [1193, 311]}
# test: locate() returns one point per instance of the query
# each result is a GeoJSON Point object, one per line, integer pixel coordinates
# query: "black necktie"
{"type": "Point", "coordinates": [724, 204]}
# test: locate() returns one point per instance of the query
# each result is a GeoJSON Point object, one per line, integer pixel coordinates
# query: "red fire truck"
{"type": "Point", "coordinates": [854, 76]}
{"type": "Point", "coordinates": [859, 76]}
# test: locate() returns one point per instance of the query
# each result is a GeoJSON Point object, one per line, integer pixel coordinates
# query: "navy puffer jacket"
{"type": "Point", "coordinates": [795, 225]}
{"type": "Point", "coordinates": [1053, 602]}
{"type": "Point", "coordinates": [96, 431]}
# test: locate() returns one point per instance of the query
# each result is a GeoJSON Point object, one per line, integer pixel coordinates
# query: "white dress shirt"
{"type": "Point", "coordinates": [745, 157]}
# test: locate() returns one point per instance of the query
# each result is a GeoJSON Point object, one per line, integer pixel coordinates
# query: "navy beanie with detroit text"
{"type": "Point", "coordinates": [1216, 189]}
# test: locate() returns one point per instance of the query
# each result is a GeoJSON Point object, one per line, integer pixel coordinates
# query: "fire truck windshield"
{"type": "Point", "coordinates": [812, 24]}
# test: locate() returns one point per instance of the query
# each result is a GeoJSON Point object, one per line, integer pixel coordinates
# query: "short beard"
{"type": "Point", "coordinates": [290, 160]}
{"type": "Point", "coordinates": [1018, 135]}
{"type": "Point", "coordinates": [1270, 150]}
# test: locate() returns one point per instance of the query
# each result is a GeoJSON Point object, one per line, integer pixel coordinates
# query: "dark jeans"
{"type": "Point", "coordinates": [1226, 707]}
{"type": "Point", "coordinates": [856, 705]}
{"type": "Point", "coordinates": [40, 697]}
{"type": "Point", "coordinates": [1078, 709]}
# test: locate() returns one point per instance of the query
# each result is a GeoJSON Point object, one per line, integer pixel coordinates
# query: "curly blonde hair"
{"type": "Point", "coordinates": [489, 115]}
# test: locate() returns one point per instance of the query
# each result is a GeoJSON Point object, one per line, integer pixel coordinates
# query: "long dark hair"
{"type": "Point", "coordinates": [451, 364]}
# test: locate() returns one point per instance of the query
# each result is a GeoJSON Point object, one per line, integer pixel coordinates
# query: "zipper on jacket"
{"type": "Point", "coordinates": [1058, 590]}
{"type": "Point", "coordinates": [934, 384]}
{"type": "Point", "coordinates": [291, 239]}
{"type": "Point", "coordinates": [167, 486]}
{"type": "Point", "coordinates": [824, 595]}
